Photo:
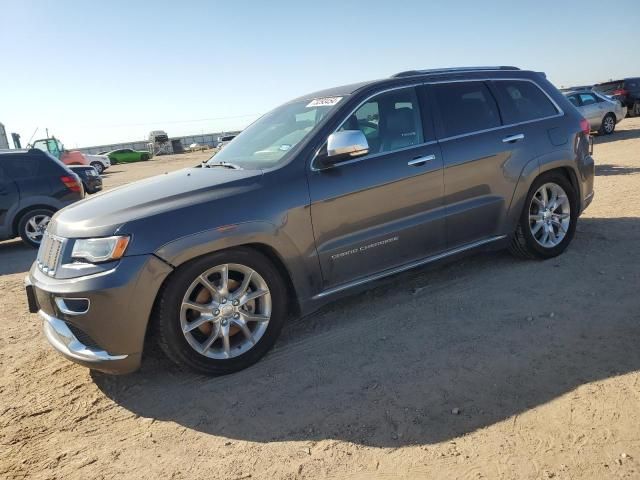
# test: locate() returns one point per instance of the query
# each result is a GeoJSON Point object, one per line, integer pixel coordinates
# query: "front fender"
{"type": "Point", "coordinates": [301, 266]}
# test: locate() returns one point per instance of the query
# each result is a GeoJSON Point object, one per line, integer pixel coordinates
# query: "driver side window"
{"type": "Point", "coordinates": [389, 121]}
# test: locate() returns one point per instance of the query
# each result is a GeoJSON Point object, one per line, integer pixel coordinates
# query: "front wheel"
{"type": "Point", "coordinates": [221, 313]}
{"type": "Point", "coordinates": [548, 221]}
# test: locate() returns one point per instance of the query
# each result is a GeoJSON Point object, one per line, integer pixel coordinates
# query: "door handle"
{"type": "Point", "coordinates": [421, 160]}
{"type": "Point", "coordinates": [513, 138]}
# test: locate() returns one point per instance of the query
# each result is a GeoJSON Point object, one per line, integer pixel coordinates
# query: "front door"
{"type": "Point", "coordinates": [384, 209]}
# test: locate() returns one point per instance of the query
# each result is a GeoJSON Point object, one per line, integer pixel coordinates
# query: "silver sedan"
{"type": "Point", "coordinates": [602, 113]}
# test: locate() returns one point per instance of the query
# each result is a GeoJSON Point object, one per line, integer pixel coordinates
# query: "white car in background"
{"type": "Point", "coordinates": [601, 112]}
{"type": "Point", "coordinates": [99, 162]}
{"type": "Point", "coordinates": [223, 141]}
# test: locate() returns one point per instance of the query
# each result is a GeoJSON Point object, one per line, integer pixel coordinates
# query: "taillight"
{"type": "Point", "coordinates": [584, 126]}
{"type": "Point", "coordinates": [621, 92]}
{"type": "Point", "coordinates": [71, 183]}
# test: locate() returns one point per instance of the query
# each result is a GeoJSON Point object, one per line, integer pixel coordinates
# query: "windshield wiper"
{"type": "Point", "coordinates": [233, 166]}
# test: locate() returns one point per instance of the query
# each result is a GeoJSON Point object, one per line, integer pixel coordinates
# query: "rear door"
{"type": "Point", "coordinates": [384, 209]}
{"type": "Point", "coordinates": [485, 149]}
{"type": "Point", "coordinates": [9, 199]}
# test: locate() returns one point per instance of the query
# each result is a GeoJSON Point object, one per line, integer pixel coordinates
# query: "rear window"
{"type": "Point", "coordinates": [609, 87]}
{"type": "Point", "coordinates": [632, 83]}
{"type": "Point", "coordinates": [465, 107]}
{"type": "Point", "coordinates": [522, 101]}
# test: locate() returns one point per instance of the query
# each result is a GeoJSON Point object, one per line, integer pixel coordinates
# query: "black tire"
{"type": "Point", "coordinates": [98, 166]}
{"type": "Point", "coordinates": [144, 157]}
{"type": "Point", "coordinates": [166, 315]}
{"type": "Point", "coordinates": [23, 225]}
{"type": "Point", "coordinates": [523, 244]}
{"type": "Point", "coordinates": [608, 124]}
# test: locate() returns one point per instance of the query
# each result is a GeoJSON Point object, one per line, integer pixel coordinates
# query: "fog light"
{"type": "Point", "coordinates": [73, 306]}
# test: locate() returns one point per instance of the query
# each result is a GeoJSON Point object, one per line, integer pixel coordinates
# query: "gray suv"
{"type": "Point", "coordinates": [318, 198]}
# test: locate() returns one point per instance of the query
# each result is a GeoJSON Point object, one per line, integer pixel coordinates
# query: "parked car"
{"type": "Point", "coordinates": [602, 113]}
{"type": "Point", "coordinates": [127, 155]}
{"type": "Point", "coordinates": [224, 141]}
{"type": "Point", "coordinates": [99, 162]}
{"type": "Point", "coordinates": [90, 177]}
{"type": "Point", "coordinates": [380, 176]}
{"type": "Point", "coordinates": [626, 90]}
{"type": "Point", "coordinates": [33, 185]}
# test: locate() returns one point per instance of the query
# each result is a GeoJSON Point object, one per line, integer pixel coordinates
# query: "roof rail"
{"type": "Point", "coordinates": [411, 73]}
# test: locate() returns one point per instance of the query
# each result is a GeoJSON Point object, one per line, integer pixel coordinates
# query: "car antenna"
{"type": "Point", "coordinates": [32, 135]}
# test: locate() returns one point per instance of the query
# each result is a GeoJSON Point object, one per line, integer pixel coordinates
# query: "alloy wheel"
{"type": "Point", "coordinates": [225, 311]}
{"type": "Point", "coordinates": [549, 215]}
{"type": "Point", "coordinates": [609, 124]}
{"type": "Point", "coordinates": [36, 226]}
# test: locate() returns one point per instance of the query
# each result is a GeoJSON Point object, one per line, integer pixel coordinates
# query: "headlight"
{"type": "Point", "coordinates": [100, 249]}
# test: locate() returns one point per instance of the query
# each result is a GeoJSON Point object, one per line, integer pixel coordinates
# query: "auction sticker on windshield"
{"type": "Point", "coordinates": [324, 102]}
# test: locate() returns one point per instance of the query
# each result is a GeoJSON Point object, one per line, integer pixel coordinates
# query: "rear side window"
{"type": "Point", "coordinates": [587, 99]}
{"type": "Point", "coordinates": [465, 107]}
{"type": "Point", "coordinates": [522, 101]}
{"type": "Point", "coordinates": [574, 100]}
{"type": "Point", "coordinates": [19, 167]}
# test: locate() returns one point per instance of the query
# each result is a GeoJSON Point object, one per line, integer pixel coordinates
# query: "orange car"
{"type": "Point", "coordinates": [54, 147]}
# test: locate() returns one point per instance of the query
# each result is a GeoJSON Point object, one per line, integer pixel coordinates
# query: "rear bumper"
{"type": "Point", "coordinates": [93, 185]}
{"type": "Point", "coordinates": [107, 333]}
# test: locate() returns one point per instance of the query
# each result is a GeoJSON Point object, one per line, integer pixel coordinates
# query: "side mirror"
{"type": "Point", "coordinates": [345, 145]}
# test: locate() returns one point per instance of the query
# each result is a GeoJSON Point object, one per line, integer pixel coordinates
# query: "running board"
{"type": "Point", "coordinates": [408, 266]}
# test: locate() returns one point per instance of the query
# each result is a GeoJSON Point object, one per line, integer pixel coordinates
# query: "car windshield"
{"type": "Point", "coordinates": [268, 140]}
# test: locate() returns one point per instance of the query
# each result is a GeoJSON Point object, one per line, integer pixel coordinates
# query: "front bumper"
{"type": "Point", "coordinates": [109, 334]}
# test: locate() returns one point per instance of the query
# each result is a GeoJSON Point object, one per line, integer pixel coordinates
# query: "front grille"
{"type": "Point", "coordinates": [82, 337]}
{"type": "Point", "coordinates": [49, 253]}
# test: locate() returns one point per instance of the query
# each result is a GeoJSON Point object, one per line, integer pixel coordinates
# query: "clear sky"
{"type": "Point", "coordinates": [101, 72]}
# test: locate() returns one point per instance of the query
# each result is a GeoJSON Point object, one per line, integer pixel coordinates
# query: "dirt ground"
{"type": "Point", "coordinates": [540, 358]}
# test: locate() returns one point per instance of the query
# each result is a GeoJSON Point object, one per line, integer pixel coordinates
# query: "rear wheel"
{"type": "Point", "coordinates": [32, 225]}
{"type": "Point", "coordinates": [608, 124]}
{"type": "Point", "coordinates": [548, 221]}
{"type": "Point", "coordinates": [98, 166]}
{"type": "Point", "coordinates": [144, 157]}
{"type": "Point", "coordinates": [221, 313]}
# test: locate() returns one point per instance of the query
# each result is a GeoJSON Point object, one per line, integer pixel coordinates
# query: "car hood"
{"type": "Point", "coordinates": [104, 214]}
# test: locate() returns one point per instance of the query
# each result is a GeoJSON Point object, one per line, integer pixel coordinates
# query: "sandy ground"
{"type": "Point", "coordinates": [540, 358]}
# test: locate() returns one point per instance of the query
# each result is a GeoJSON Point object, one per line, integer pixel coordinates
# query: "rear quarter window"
{"type": "Point", "coordinates": [522, 101]}
{"type": "Point", "coordinates": [465, 107]}
{"type": "Point", "coordinates": [19, 167]}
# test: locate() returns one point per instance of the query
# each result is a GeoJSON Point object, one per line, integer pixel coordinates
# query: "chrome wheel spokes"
{"type": "Point", "coordinates": [225, 311]}
{"type": "Point", "coordinates": [36, 226]}
{"type": "Point", "coordinates": [549, 215]}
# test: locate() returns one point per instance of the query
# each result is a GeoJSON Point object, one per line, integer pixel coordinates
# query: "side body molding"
{"type": "Point", "coordinates": [302, 266]}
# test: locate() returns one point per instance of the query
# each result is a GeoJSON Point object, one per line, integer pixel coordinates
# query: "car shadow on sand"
{"type": "Point", "coordinates": [15, 257]}
{"type": "Point", "coordinates": [617, 135]}
{"type": "Point", "coordinates": [606, 170]}
{"type": "Point", "coordinates": [426, 356]}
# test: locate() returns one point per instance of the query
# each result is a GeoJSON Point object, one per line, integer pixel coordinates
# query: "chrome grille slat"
{"type": "Point", "coordinates": [49, 253]}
